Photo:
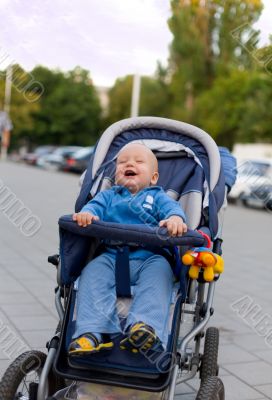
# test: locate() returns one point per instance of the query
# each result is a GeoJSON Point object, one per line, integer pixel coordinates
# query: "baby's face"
{"type": "Point", "coordinates": [136, 168]}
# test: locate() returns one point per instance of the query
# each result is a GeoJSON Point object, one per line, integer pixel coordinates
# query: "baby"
{"type": "Point", "coordinates": [133, 200]}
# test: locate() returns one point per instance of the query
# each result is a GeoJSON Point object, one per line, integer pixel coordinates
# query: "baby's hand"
{"type": "Point", "coordinates": [84, 218]}
{"type": "Point", "coordinates": [174, 225]}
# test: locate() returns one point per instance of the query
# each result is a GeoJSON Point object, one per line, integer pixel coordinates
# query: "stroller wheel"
{"type": "Point", "coordinates": [211, 388]}
{"type": "Point", "coordinates": [209, 366]}
{"type": "Point", "coordinates": [21, 379]}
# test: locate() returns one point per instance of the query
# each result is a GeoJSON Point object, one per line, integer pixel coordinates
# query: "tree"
{"type": "Point", "coordinates": [155, 95]}
{"type": "Point", "coordinates": [52, 107]}
{"type": "Point", "coordinates": [119, 100]}
{"type": "Point", "coordinates": [21, 110]}
{"type": "Point", "coordinates": [236, 37]}
{"type": "Point", "coordinates": [208, 41]}
{"type": "Point", "coordinates": [237, 108]}
{"type": "Point", "coordinates": [255, 124]}
{"type": "Point", "coordinates": [69, 108]}
{"type": "Point", "coordinates": [219, 109]}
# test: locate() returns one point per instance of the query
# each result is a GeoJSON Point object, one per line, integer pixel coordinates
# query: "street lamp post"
{"type": "Point", "coordinates": [135, 95]}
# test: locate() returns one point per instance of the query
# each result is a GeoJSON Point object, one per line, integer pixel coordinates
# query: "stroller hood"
{"type": "Point", "coordinates": [189, 165]}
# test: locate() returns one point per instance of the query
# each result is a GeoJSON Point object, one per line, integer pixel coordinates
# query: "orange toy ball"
{"type": "Point", "coordinates": [187, 259]}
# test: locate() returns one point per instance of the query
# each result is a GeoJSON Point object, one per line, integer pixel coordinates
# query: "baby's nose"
{"type": "Point", "coordinates": [130, 163]}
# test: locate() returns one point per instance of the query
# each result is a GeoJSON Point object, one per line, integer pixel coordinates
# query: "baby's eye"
{"type": "Point", "coordinates": [139, 161]}
{"type": "Point", "coordinates": [121, 162]}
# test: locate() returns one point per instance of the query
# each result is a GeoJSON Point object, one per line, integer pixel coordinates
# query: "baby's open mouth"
{"type": "Point", "coordinates": [129, 172]}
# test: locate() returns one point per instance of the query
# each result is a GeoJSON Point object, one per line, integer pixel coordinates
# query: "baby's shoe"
{"type": "Point", "coordinates": [140, 337]}
{"type": "Point", "coordinates": [88, 344]}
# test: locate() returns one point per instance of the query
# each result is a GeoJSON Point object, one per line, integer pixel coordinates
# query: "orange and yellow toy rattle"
{"type": "Point", "coordinates": [202, 257]}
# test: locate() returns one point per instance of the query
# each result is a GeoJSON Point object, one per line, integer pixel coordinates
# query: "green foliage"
{"type": "Point", "coordinates": [217, 70]}
{"type": "Point", "coordinates": [255, 122]}
{"type": "Point", "coordinates": [155, 95]}
{"type": "Point", "coordinates": [236, 38]}
{"type": "Point", "coordinates": [207, 43]}
{"type": "Point", "coordinates": [69, 108]}
{"type": "Point", "coordinates": [237, 108]}
{"type": "Point", "coordinates": [61, 108]}
{"type": "Point", "coordinates": [219, 110]}
{"type": "Point", "coordinates": [119, 100]}
{"type": "Point", "coordinates": [21, 110]}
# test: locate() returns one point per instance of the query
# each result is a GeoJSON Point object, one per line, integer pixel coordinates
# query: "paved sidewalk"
{"type": "Point", "coordinates": [242, 300]}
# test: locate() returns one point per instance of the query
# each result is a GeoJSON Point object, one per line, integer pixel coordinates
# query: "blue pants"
{"type": "Point", "coordinates": [96, 299]}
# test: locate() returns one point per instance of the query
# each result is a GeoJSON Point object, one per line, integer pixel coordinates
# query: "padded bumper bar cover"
{"type": "Point", "coordinates": [136, 233]}
{"type": "Point", "coordinates": [76, 242]}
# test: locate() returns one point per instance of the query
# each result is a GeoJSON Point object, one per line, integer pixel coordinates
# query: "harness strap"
{"type": "Point", "coordinates": [122, 273]}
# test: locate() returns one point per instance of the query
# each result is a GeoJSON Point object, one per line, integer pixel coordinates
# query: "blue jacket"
{"type": "Point", "coordinates": [148, 206]}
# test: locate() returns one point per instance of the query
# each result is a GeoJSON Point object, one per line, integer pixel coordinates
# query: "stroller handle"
{"type": "Point", "coordinates": [141, 234]}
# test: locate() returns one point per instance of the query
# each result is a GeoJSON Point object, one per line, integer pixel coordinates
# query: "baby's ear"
{"type": "Point", "coordinates": [155, 178]}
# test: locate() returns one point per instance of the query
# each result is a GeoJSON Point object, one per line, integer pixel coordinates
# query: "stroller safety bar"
{"type": "Point", "coordinates": [119, 234]}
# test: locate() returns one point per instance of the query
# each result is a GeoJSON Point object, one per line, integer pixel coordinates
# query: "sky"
{"type": "Point", "coordinates": [110, 38]}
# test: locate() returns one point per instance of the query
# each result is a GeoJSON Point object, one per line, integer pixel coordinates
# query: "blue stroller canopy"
{"type": "Point", "coordinates": [190, 171]}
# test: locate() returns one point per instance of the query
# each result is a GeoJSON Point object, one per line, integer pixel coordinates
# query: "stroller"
{"type": "Point", "coordinates": [192, 171]}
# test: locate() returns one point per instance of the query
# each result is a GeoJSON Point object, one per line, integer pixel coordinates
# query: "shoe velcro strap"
{"type": "Point", "coordinates": [93, 338]}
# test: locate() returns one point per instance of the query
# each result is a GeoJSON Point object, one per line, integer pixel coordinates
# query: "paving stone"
{"type": "Point", "coordinates": [14, 310]}
{"type": "Point", "coordinates": [231, 326]}
{"type": "Point", "coordinates": [3, 355]}
{"type": "Point", "coordinates": [230, 353]}
{"type": "Point", "coordinates": [10, 285]}
{"type": "Point", "coordinates": [237, 390]}
{"type": "Point", "coordinates": [11, 342]}
{"type": "Point", "coordinates": [41, 287]}
{"type": "Point", "coordinates": [26, 323]}
{"type": "Point", "coordinates": [194, 383]}
{"type": "Point", "coordinates": [3, 317]}
{"type": "Point", "coordinates": [185, 397]}
{"type": "Point", "coordinates": [251, 342]}
{"type": "Point", "coordinates": [244, 389]}
{"type": "Point", "coordinates": [16, 298]}
{"type": "Point", "coordinates": [26, 273]}
{"type": "Point", "coordinates": [253, 373]}
{"type": "Point", "coordinates": [49, 303]}
{"type": "Point", "coordinates": [266, 355]}
{"type": "Point", "coordinates": [184, 389]}
{"type": "Point", "coordinates": [265, 389]}
{"type": "Point", "coordinates": [4, 364]}
{"type": "Point", "coordinates": [38, 339]}
{"type": "Point", "coordinates": [223, 372]}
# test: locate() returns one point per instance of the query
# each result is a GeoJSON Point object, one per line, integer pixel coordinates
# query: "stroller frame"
{"type": "Point", "coordinates": [189, 362]}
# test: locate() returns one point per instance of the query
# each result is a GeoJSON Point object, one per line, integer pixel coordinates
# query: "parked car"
{"type": "Point", "coordinates": [252, 175]}
{"type": "Point", "coordinates": [260, 197]}
{"type": "Point", "coordinates": [31, 158]}
{"type": "Point", "coordinates": [79, 161]}
{"type": "Point", "coordinates": [55, 160]}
